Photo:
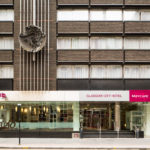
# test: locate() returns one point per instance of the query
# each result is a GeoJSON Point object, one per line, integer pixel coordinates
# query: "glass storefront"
{"type": "Point", "coordinates": [102, 115]}
{"type": "Point", "coordinates": [72, 116]}
{"type": "Point", "coordinates": [46, 116]}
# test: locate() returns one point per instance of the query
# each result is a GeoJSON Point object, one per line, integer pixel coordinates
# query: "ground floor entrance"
{"type": "Point", "coordinates": [96, 116]}
{"type": "Point", "coordinates": [101, 119]}
{"type": "Point", "coordinates": [62, 119]}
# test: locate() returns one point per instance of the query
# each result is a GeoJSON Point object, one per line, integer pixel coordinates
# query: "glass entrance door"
{"type": "Point", "coordinates": [97, 115]}
{"type": "Point", "coordinates": [95, 119]}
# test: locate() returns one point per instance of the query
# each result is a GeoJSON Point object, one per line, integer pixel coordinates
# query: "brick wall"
{"type": "Point", "coordinates": [137, 2]}
{"type": "Point", "coordinates": [106, 55]}
{"type": "Point", "coordinates": [73, 56]}
{"type": "Point", "coordinates": [111, 27]}
{"type": "Point", "coordinates": [6, 56]}
{"type": "Point", "coordinates": [137, 27]}
{"type": "Point", "coordinates": [137, 55]}
{"type": "Point", "coordinates": [6, 1]}
{"type": "Point", "coordinates": [106, 1]}
{"type": "Point", "coordinates": [73, 27]}
{"type": "Point", "coordinates": [73, 1]}
{"type": "Point", "coordinates": [6, 27]}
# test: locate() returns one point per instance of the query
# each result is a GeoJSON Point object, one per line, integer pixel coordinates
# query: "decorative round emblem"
{"type": "Point", "coordinates": [33, 39]}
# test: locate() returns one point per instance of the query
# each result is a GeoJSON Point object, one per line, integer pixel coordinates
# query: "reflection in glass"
{"type": "Point", "coordinates": [37, 115]}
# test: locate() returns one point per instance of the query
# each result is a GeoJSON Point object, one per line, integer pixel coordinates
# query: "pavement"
{"type": "Point", "coordinates": [74, 143]}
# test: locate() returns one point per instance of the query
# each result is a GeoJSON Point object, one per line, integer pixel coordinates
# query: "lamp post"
{"type": "Point", "coordinates": [19, 119]}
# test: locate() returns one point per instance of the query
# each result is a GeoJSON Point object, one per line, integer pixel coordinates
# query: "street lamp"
{"type": "Point", "coordinates": [19, 119]}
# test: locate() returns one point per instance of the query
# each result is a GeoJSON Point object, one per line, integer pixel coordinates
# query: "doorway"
{"type": "Point", "coordinates": [97, 116]}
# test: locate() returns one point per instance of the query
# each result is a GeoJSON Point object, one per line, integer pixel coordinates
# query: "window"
{"type": "Point", "coordinates": [63, 43]}
{"type": "Point", "coordinates": [6, 43]}
{"type": "Point", "coordinates": [73, 15]}
{"type": "Point", "coordinates": [6, 71]}
{"type": "Point", "coordinates": [106, 43]}
{"type": "Point", "coordinates": [106, 71]}
{"type": "Point", "coordinates": [132, 15]}
{"type": "Point", "coordinates": [145, 71]}
{"type": "Point", "coordinates": [76, 71]}
{"type": "Point", "coordinates": [137, 71]}
{"type": "Point", "coordinates": [100, 15]}
{"type": "Point", "coordinates": [80, 71]}
{"type": "Point", "coordinates": [46, 116]}
{"type": "Point", "coordinates": [105, 15]}
{"type": "Point", "coordinates": [145, 15]}
{"type": "Point", "coordinates": [145, 43]}
{"type": "Point", "coordinates": [72, 43]}
{"type": "Point", "coordinates": [64, 72]}
{"type": "Point", "coordinates": [131, 72]}
{"type": "Point", "coordinates": [137, 15]}
{"type": "Point", "coordinates": [6, 15]}
{"type": "Point", "coordinates": [137, 43]}
{"type": "Point", "coordinates": [131, 43]}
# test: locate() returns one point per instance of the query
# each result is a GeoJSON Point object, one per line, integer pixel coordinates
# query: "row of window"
{"type": "Point", "coordinates": [103, 71]}
{"type": "Point", "coordinates": [94, 71]}
{"type": "Point", "coordinates": [6, 15]}
{"type": "Point", "coordinates": [6, 71]}
{"type": "Point", "coordinates": [103, 43]}
{"type": "Point", "coordinates": [93, 15]}
{"type": "Point", "coordinates": [103, 14]}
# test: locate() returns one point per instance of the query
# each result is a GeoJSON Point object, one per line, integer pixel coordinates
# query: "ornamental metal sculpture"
{"type": "Point", "coordinates": [33, 39]}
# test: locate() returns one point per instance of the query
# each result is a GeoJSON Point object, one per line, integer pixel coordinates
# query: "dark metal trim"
{"type": "Point", "coordinates": [72, 34]}
{"type": "Point", "coordinates": [103, 78]}
{"type": "Point", "coordinates": [137, 62]}
{"type": "Point", "coordinates": [72, 6]}
{"type": "Point", "coordinates": [113, 6]}
{"type": "Point", "coordinates": [99, 34]}
{"type": "Point", "coordinates": [6, 6]}
{"type": "Point", "coordinates": [72, 62]}
{"type": "Point", "coordinates": [6, 34]}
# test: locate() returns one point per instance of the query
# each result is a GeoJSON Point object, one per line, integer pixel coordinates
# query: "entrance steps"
{"type": "Point", "coordinates": [109, 134]}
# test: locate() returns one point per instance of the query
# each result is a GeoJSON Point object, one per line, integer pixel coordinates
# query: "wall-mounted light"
{"type": "Point", "coordinates": [34, 110]}
{"type": "Point", "coordinates": [44, 108]}
{"type": "Point", "coordinates": [30, 108]}
{"type": "Point", "coordinates": [58, 109]}
{"type": "Point", "coordinates": [22, 110]}
{"type": "Point", "coordinates": [25, 110]}
{"type": "Point", "coordinates": [16, 109]}
{"type": "Point", "coordinates": [2, 107]}
{"type": "Point", "coordinates": [47, 110]}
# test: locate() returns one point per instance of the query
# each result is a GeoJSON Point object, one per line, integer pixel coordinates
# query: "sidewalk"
{"type": "Point", "coordinates": [74, 143]}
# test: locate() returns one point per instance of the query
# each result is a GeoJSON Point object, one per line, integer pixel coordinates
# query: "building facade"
{"type": "Point", "coordinates": [92, 76]}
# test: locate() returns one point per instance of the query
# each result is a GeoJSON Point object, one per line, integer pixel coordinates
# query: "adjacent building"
{"type": "Point", "coordinates": [92, 76]}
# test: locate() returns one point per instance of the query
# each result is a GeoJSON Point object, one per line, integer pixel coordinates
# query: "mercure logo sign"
{"type": "Point", "coordinates": [139, 95]}
{"type": "Point", "coordinates": [2, 96]}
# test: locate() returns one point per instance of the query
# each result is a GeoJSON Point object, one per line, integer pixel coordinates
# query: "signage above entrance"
{"type": "Point", "coordinates": [2, 96]}
{"type": "Point", "coordinates": [139, 95]}
{"type": "Point", "coordinates": [75, 96]}
{"type": "Point", "coordinates": [104, 96]}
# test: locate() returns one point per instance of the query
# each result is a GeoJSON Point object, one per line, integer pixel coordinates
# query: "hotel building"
{"type": "Point", "coordinates": [92, 76]}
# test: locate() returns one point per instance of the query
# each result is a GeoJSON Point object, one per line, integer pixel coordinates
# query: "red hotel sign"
{"type": "Point", "coordinates": [2, 95]}
{"type": "Point", "coordinates": [139, 95]}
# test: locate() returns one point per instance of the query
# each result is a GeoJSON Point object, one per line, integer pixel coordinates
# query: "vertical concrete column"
{"type": "Point", "coordinates": [117, 116]}
{"type": "Point", "coordinates": [7, 115]}
{"type": "Point", "coordinates": [76, 116]}
{"type": "Point", "coordinates": [147, 121]}
{"type": "Point", "coordinates": [110, 116]}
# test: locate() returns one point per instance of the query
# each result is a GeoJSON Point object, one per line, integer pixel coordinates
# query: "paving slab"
{"type": "Point", "coordinates": [89, 143]}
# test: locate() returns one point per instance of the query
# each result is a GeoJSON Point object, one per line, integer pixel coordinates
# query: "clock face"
{"type": "Point", "coordinates": [33, 39]}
